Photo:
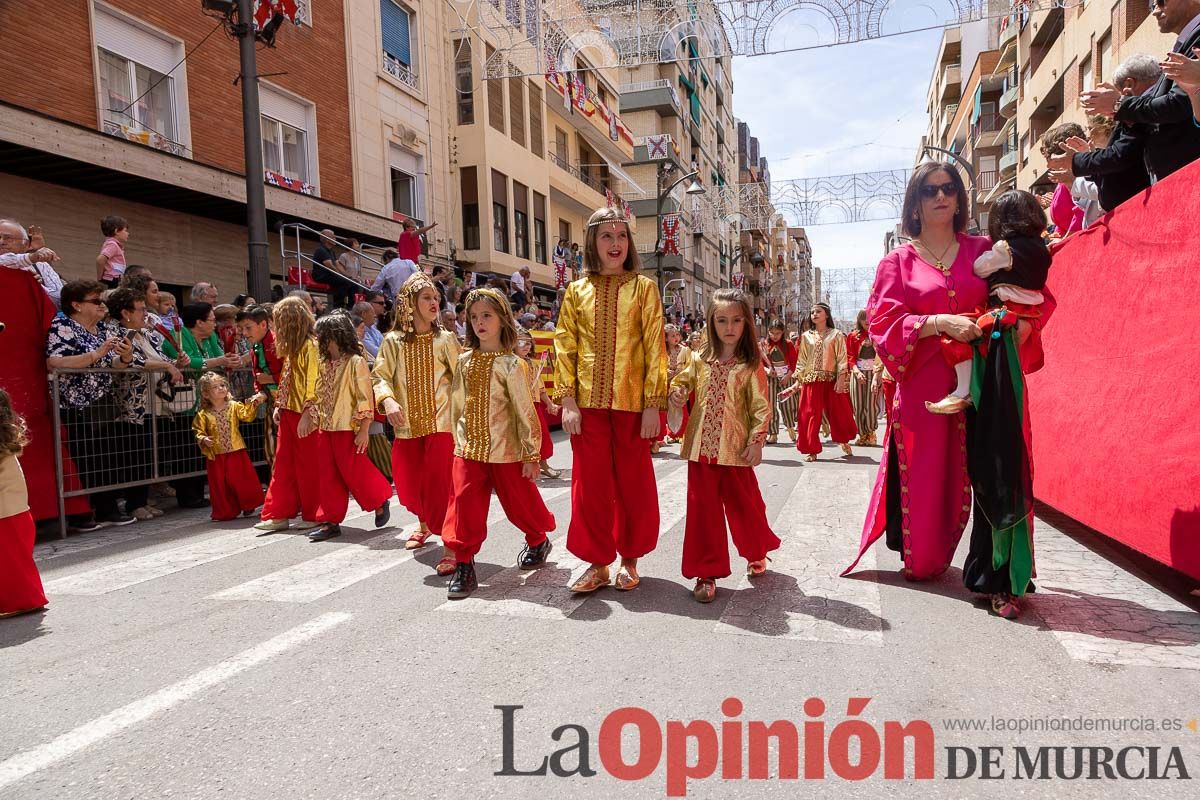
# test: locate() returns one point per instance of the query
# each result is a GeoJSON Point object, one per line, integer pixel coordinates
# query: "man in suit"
{"type": "Point", "coordinates": [1119, 169]}
{"type": "Point", "coordinates": [1172, 140]}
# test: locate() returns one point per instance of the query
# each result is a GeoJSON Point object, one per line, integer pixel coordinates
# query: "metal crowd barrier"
{"type": "Point", "coordinates": [110, 445]}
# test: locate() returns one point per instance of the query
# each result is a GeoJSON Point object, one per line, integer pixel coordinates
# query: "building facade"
{"type": "Point", "coordinates": [111, 118]}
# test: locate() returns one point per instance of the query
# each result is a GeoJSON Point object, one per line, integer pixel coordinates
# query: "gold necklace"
{"type": "Point", "coordinates": [939, 260]}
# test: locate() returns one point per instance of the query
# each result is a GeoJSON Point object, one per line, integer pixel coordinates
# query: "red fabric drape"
{"type": "Point", "coordinates": [1114, 412]}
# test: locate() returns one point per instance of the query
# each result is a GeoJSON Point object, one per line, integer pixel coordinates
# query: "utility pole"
{"type": "Point", "coordinates": [256, 196]}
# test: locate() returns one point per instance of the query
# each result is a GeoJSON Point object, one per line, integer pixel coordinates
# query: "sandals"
{"type": "Point", "coordinates": [756, 568]}
{"type": "Point", "coordinates": [1005, 606]}
{"type": "Point", "coordinates": [447, 565]}
{"type": "Point", "coordinates": [627, 576]}
{"type": "Point", "coordinates": [705, 591]}
{"type": "Point", "coordinates": [591, 580]}
{"type": "Point", "coordinates": [418, 538]}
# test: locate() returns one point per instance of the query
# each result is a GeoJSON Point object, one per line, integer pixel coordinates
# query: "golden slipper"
{"type": "Point", "coordinates": [591, 580]}
{"type": "Point", "coordinates": [627, 576]}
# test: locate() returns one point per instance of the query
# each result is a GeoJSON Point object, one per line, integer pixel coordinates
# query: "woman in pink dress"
{"type": "Point", "coordinates": [923, 291]}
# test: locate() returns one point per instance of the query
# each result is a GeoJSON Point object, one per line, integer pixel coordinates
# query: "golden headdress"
{"type": "Point", "coordinates": [406, 302]}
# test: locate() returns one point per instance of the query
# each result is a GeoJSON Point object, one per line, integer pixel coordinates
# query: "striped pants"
{"type": "Point", "coordinates": [866, 404]}
{"type": "Point", "coordinates": [786, 409]}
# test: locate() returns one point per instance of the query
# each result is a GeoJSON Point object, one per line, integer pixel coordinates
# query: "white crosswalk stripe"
{"type": "Point", "coordinates": [542, 593]}
{"type": "Point", "coordinates": [347, 565]}
{"type": "Point", "coordinates": [801, 596]}
{"type": "Point", "coordinates": [121, 575]}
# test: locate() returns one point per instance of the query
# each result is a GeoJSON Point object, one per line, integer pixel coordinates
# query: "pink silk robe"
{"type": "Point", "coordinates": [935, 491]}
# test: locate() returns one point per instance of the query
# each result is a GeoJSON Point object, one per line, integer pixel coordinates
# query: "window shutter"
{"type": "Point", "coordinates": [516, 112]}
{"type": "Point", "coordinates": [495, 93]}
{"type": "Point", "coordinates": [396, 40]}
{"type": "Point", "coordinates": [132, 42]}
{"type": "Point", "coordinates": [536, 129]}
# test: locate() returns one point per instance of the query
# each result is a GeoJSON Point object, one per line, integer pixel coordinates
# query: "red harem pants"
{"type": "Point", "coordinates": [466, 519]}
{"type": "Point", "coordinates": [345, 472]}
{"type": "Point", "coordinates": [233, 485]}
{"type": "Point", "coordinates": [421, 469]}
{"type": "Point", "coordinates": [20, 584]}
{"type": "Point", "coordinates": [295, 482]}
{"type": "Point", "coordinates": [547, 442]}
{"type": "Point", "coordinates": [716, 493]}
{"type": "Point", "coordinates": [817, 398]}
{"type": "Point", "coordinates": [614, 498]}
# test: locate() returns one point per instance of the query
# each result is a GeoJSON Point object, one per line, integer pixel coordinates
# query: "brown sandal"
{"type": "Point", "coordinates": [594, 578]}
{"type": "Point", "coordinates": [447, 565]}
{"type": "Point", "coordinates": [627, 576]}
{"type": "Point", "coordinates": [705, 591]}
{"type": "Point", "coordinates": [417, 538]}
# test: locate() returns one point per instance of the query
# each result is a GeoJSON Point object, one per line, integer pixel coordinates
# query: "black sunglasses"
{"type": "Point", "coordinates": [930, 190]}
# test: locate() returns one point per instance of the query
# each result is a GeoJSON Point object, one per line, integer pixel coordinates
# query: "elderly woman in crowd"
{"type": "Point", "coordinates": [923, 291]}
{"type": "Point", "coordinates": [132, 391]}
{"type": "Point", "coordinates": [81, 339]}
{"type": "Point", "coordinates": [178, 452]}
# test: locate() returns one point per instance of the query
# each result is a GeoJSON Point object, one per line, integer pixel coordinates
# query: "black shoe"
{"type": "Point", "coordinates": [383, 514]}
{"type": "Point", "coordinates": [534, 556]}
{"type": "Point", "coordinates": [116, 518]}
{"type": "Point", "coordinates": [327, 530]}
{"type": "Point", "coordinates": [464, 581]}
{"type": "Point", "coordinates": [85, 525]}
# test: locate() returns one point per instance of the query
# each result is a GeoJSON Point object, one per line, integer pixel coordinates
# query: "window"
{"type": "Point", "coordinates": [1105, 48]}
{"type": "Point", "coordinates": [564, 231]}
{"type": "Point", "coordinates": [516, 110]}
{"type": "Point", "coordinates": [500, 211]}
{"type": "Point", "coordinates": [143, 93]}
{"type": "Point", "coordinates": [536, 131]}
{"type": "Point", "coordinates": [469, 182]}
{"type": "Point", "coordinates": [396, 27]}
{"type": "Point", "coordinates": [560, 146]}
{"type": "Point", "coordinates": [521, 219]}
{"type": "Point", "coordinates": [285, 149]}
{"type": "Point", "coordinates": [1086, 75]}
{"type": "Point", "coordinates": [464, 82]}
{"type": "Point", "coordinates": [287, 135]}
{"type": "Point", "coordinates": [404, 193]}
{"type": "Point", "coordinates": [495, 93]}
{"type": "Point", "coordinates": [539, 228]}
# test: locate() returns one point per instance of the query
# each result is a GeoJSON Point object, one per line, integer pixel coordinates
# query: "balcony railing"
{"type": "Point", "coordinates": [986, 181]}
{"type": "Point", "coordinates": [577, 173]}
{"type": "Point", "coordinates": [139, 135]}
{"type": "Point", "coordinates": [401, 72]}
{"type": "Point", "coordinates": [645, 86]}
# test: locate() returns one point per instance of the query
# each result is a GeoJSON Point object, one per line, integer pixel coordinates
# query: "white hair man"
{"type": "Point", "coordinates": [15, 253]}
{"type": "Point", "coordinates": [204, 293]}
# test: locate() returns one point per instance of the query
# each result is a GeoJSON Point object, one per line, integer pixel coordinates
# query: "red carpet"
{"type": "Point", "coordinates": [1116, 412]}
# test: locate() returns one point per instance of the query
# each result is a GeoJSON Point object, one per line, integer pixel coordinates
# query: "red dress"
{"type": "Point", "coordinates": [20, 584]}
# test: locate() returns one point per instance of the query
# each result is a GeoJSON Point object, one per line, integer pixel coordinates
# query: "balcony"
{"type": "Point", "coordinates": [1008, 163]}
{"type": "Point", "coordinates": [986, 181]}
{"type": "Point", "coordinates": [719, 84]}
{"type": "Point", "coordinates": [600, 125]}
{"type": "Point", "coordinates": [1008, 101]}
{"type": "Point", "coordinates": [951, 82]}
{"type": "Point", "coordinates": [988, 130]}
{"type": "Point", "coordinates": [139, 135]}
{"type": "Point", "coordinates": [656, 147]}
{"type": "Point", "coordinates": [1010, 26]}
{"type": "Point", "coordinates": [660, 96]}
{"type": "Point", "coordinates": [401, 72]}
{"type": "Point", "coordinates": [948, 114]}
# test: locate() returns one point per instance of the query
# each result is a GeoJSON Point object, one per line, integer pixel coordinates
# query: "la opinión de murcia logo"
{"type": "Point", "coordinates": [632, 744]}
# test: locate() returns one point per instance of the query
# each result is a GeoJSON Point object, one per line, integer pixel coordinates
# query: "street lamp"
{"type": "Point", "coordinates": [664, 169]}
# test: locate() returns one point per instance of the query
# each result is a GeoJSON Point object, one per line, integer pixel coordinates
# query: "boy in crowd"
{"type": "Point", "coordinates": [110, 264]}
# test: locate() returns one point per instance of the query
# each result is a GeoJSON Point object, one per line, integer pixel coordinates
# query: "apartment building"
{"type": "Point", "coordinates": [537, 143]}
{"type": "Point", "coordinates": [682, 109]}
{"type": "Point", "coordinates": [401, 96]}
{"type": "Point", "coordinates": [756, 244]}
{"type": "Point", "coordinates": [1062, 52]}
{"type": "Point", "coordinates": [110, 117]}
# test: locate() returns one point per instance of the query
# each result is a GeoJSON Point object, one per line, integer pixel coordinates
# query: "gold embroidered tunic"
{"type": "Point", "coordinates": [609, 348]}
{"type": "Point", "coordinates": [821, 358]}
{"type": "Point", "coordinates": [417, 374]}
{"type": "Point", "coordinates": [222, 427]}
{"type": "Point", "coordinates": [678, 362]}
{"type": "Point", "coordinates": [493, 409]}
{"type": "Point", "coordinates": [298, 385]}
{"type": "Point", "coordinates": [732, 410]}
{"type": "Point", "coordinates": [14, 494]}
{"type": "Point", "coordinates": [345, 399]}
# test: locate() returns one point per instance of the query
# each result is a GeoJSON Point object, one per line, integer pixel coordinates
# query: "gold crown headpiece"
{"type": "Point", "coordinates": [406, 301]}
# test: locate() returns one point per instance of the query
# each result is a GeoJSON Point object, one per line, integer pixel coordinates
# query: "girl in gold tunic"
{"type": "Point", "coordinates": [611, 374]}
{"type": "Point", "coordinates": [413, 372]}
{"type": "Point", "coordinates": [233, 484]}
{"type": "Point", "coordinates": [678, 358]}
{"type": "Point", "coordinates": [497, 443]}
{"type": "Point", "coordinates": [723, 444]}
{"type": "Point", "coordinates": [295, 485]}
{"type": "Point", "coordinates": [344, 410]}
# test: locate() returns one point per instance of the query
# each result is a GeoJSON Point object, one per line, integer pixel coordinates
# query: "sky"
{"type": "Point", "coordinates": [837, 110]}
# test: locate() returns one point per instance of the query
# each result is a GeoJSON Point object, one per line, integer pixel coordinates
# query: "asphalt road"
{"type": "Point", "coordinates": [186, 658]}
